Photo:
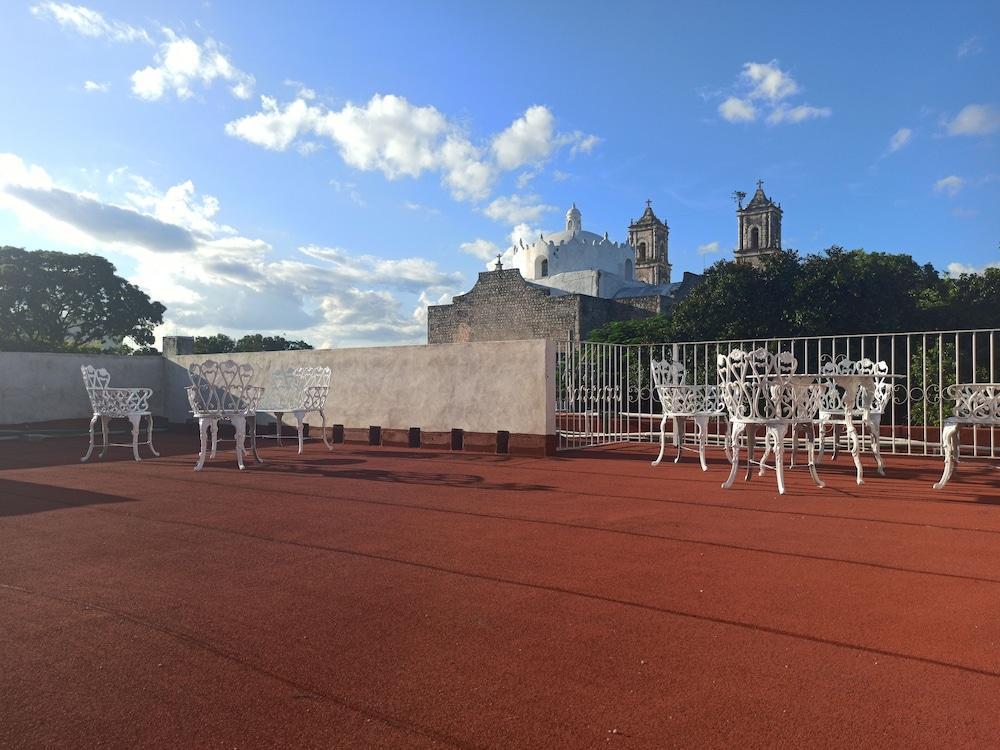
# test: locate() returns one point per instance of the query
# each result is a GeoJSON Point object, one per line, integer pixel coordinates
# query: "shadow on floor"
{"type": "Point", "coordinates": [25, 498]}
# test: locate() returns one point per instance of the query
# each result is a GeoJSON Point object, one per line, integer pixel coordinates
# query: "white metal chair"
{"type": "Point", "coordinates": [975, 404]}
{"type": "Point", "coordinates": [758, 389]}
{"type": "Point", "coordinates": [116, 403]}
{"type": "Point", "coordinates": [833, 409]}
{"type": "Point", "coordinates": [297, 391]}
{"type": "Point", "coordinates": [224, 391]}
{"type": "Point", "coordinates": [682, 401]}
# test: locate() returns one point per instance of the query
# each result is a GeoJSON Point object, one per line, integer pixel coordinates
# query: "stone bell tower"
{"type": "Point", "coordinates": [649, 238]}
{"type": "Point", "coordinates": [759, 226]}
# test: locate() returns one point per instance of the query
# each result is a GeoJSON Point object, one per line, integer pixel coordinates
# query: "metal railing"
{"type": "Point", "coordinates": [604, 394]}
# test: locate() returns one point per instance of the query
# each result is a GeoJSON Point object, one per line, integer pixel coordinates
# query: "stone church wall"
{"type": "Point", "coordinates": [502, 306]}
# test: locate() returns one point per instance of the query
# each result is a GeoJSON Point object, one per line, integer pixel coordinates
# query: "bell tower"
{"type": "Point", "coordinates": [649, 238]}
{"type": "Point", "coordinates": [759, 227]}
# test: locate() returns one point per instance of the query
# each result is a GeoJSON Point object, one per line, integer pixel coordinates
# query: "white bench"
{"type": "Point", "coordinates": [116, 403]}
{"type": "Point", "coordinates": [297, 391]}
{"type": "Point", "coordinates": [976, 404]}
{"type": "Point", "coordinates": [224, 391]}
{"type": "Point", "coordinates": [682, 401]}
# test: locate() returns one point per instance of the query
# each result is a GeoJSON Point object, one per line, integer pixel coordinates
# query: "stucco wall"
{"type": "Point", "coordinates": [478, 387]}
{"type": "Point", "coordinates": [48, 387]}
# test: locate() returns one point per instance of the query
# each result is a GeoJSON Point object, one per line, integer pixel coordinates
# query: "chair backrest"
{"type": "Point", "coordinates": [298, 388]}
{"type": "Point", "coordinates": [976, 402]}
{"type": "Point", "coordinates": [96, 381]}
{"type": "Point", "coordinates": [746, 381]}
{"type": "Point", "coordinates": [833, 398]}
{"type": "Point", "coordinates": [222, 387]}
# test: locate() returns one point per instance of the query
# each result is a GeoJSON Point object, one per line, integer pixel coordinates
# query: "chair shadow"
{"type": "Point", "coordinates": [430, 479]}
{"type": "Point", "coordinates": [26, 498]}
{"type": "Point", "coordinates": [67, 450]}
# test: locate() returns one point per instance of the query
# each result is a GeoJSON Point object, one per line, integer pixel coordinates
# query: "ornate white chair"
{"type": "Point", "coordinates": [297, 391]}
{"type": "Point", "coordinates": [833, 409]}
{"type": "Point", "coordinates": [682, 401]}
{"type": "Point", "coordinates": [759, 388]}
{"type": "Point", "coordinates": [975, 404]}
{"type": "Point", "coordinates": [116, 403]}
{"type": "Point", "coordinates": [224, 391]}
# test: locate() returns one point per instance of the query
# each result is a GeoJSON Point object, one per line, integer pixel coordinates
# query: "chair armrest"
{"type": "Point", "coordinates": [124, 400]}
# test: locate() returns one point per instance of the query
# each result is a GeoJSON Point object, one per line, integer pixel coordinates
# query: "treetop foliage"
{"type": "Point", "coordinates": [834, 292]}
{"type": "Point", "coordinates": [220, 343]}
{"type": "Point", "coordinates": [52, 301]}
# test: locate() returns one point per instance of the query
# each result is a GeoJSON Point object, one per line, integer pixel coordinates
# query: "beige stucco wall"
{"type": "Point", "coordinates": [48, 387]}
{"type": "Point", "coordinates": [479, 387]}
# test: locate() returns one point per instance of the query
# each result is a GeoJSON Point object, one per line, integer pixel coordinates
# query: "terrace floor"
{"type": "Point", "coordinates": [376, 597]}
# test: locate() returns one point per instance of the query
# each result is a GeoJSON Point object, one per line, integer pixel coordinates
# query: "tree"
{"type": "Point", "coordinates": [52, 301]}
{"type": "Point", "coordinates": [220, 343]}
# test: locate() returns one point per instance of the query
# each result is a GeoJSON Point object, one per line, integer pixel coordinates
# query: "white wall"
{"type": "Point", "coordinates": [478, 387]}
{"type": "Point", "coordinates": [40, 387]}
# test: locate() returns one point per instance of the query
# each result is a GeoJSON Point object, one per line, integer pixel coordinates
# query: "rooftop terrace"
{"type": "Point", "coordinates": [376, 597]}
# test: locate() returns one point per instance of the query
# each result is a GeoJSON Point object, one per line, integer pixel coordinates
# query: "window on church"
{"type": "Point", "coordinates": [754, 238]}
{"type": "Point", "coordinates": [628, 269]}
{"type": "Point", "coordinates": [545, 268]}
{"type": "Point", "coordinates": [642, 251]}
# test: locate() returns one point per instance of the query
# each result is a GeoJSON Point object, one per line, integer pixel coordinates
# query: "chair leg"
{"type": "Point", "coordinates": [252, 419]}
{"type": "Point", "coordinates": [136, 420]}
{"type": "Point", "coordinates": [836, 443]}
{"type": "Point", "coordinates": [299, 418]}
{"type": "Point", "coordinates": [240, 425]}
{"type": "Point", "coordinates": [777, 434]}
{"type": "Point", "coordinates": [203, 426]}
{"type": "Point", "coordinates": [278, 416]}
{"type": "Point", "coordinates": [855, 442]}
{"type": "Point", "coordinates": [215, 436]}
{"type": "Point", "coordinates": [874, 431]}
{"type": "Point", "coordinates": [678, 438]}
{"type": "Point", "coordinates": [949, 446]}
{"type": "Point", "coordinates": [149, 436]}
{"type": "Point", "coordinates": [104, 432]}
{"type": "Point", "coordinates": [701, 427]}
{"type": "Point", "coordinates": [663, 440]}
{"type": "Point", "coordinates": [737, 429]}
{"type": "Point", "coordinates": [90, 448]}
{"type": "Point", "coordinates": [765, 454]}
{"type": "Point", "coordinates": [326, 438]}
{"type": "Point", "coordinates": [811, 452]}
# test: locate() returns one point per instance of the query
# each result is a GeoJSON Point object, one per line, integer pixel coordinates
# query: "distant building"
{"type": "Point", "coordinates": [759, 227]}
{"type": "Point", "coordinates": [564, 285]}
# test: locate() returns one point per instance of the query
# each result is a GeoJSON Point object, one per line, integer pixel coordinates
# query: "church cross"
{"type": "Point", "coordinates": [499, 264]}
{"type": "Point", "coordinates": [760, 184]}
{"type": "Point", "coordinates": [649, 203]}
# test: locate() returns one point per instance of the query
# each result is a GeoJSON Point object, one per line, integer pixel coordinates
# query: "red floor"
{"type": "Point", "coordinates": [373, 597]}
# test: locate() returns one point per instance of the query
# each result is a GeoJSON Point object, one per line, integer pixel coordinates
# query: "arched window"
{"type": "Point", "coordinates": [754, 238]}
{"type": "Point", "coordinates": [628, 269]}
{"type": "Point", "coordinates": [545, 267]}
{"type": "Point", "coordinates": [642, 251]}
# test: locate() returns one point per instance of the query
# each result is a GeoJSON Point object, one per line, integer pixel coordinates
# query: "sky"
{"type": "Point", "coordinates": [326, 170]}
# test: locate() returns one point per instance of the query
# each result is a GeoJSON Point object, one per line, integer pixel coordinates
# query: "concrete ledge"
{"type": "Point", "coordinates": [522, 444]}
{"type": "Point", "coordinates": [396, 438]}
{"type": "Point", "coordinates": [479, 442]}
{"type": "Point", "coordinates": [440, 441]}
{"type": "Point", "coordinates": [357, 435]}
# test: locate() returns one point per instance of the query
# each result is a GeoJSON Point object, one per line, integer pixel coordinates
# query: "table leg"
{"type": "Point", "coordinates": [737, 429]}
{"type": "Point", "coordinates": [663, 440]}
{"type": "Point", "coordinates": [855, 443]}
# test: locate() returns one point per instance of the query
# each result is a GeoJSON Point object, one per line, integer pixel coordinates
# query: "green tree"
{"type": "Point", "coordinates": [220, 343]}
{"type": "Point", "coordinates": [258, 343]}
{"type": "Point", "coordinates": [52, 301]}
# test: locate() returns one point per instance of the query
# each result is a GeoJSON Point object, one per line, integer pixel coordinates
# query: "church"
{"type": "Point", "coordinates": [566, 284]}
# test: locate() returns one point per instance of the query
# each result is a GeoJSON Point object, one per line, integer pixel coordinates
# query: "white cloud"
{"type": "Point", "coordinates": [899, 139]}
{"type": "Point", "coordinates": [421, 208]}
{"type": "Point", "coordinates": [768, 81]}
{"type": "Point", "coordinates": [89, 22]}
{"type": "Point", "coordinates": [975, 119]}
{"type": "Point", "coordinates": [350, 190]}
{"type": "Point", "coordinates": [708, 248]}
{"type": "Point", "coordinates": [735, 109]}
{"type": "Point", "coordinates": [765, 88]}
{"type": "Point", "coordinates": [582, 144]}
{"type": "Point", "coordinates": [480, 248]}
{"type": "Point", "coordinates": [971, 46]}
{"type": "Point", "coordinates": [954, 270]}
{"type": "Point", "coordinates": [181, 63]}
{"type": "Point", "coordinates": [950, 185]}
{"type": "Point", "coordinates": [399, 139]}
{"type": "Point", "coordinates": [517, 209]}
{"type": "Point", "coordinates": [796, 114]}
{"type": "Point", "coordinates": [213, 279]}
{"type": "Point", "coordinates": [94, 86]}
{"type": "Point", "coordinates": [964, 213]}
{"type": "Point", "coordinates": [529, 139]}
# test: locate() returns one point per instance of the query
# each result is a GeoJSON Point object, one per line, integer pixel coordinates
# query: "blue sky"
{"type": "Point", "coordinates": [325, 170]}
